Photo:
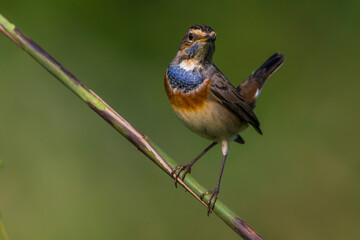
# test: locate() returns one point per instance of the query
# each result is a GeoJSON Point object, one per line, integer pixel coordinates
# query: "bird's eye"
{"type": "Point", "coordinates": [191, 37]}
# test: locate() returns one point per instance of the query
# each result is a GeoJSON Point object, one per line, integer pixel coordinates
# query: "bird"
{"type": "Point", "coordinates": [206, 101]}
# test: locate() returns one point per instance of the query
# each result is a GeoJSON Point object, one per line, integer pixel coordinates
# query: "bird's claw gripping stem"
{"type": "Point", "coordinates": [212, 199]}
{"type": "Point", "coordinates": [177, 171]}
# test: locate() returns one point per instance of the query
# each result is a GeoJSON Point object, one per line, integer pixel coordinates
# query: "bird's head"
{"type": "Point", "coordinates": [198, 44]}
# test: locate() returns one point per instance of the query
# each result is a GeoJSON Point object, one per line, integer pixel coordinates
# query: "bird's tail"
{"type": "Point", "coordinates": [251, 87]}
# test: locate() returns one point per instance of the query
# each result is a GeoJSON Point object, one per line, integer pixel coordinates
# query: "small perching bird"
{"type": "Point", "coordinates": [205, 100]}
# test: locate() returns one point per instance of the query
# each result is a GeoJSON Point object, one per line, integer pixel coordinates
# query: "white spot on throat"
{"type": "Point", "coordinates": [187, 66]}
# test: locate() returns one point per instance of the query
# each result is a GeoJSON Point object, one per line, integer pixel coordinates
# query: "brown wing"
{"type": "Point", "coordinates": [231, 98]}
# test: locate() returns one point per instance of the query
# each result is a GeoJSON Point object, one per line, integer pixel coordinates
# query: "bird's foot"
{"type": "Point", "coordinates": [212, 199]}
{"type": "Point", "coordinates": [178, 169]}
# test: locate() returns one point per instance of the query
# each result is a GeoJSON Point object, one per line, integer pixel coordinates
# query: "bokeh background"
{"type": "Point", "coordinates": [68, 175]}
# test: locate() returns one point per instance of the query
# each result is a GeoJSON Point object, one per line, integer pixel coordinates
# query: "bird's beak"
{"type": "Point", "coordinates": [207, 39]}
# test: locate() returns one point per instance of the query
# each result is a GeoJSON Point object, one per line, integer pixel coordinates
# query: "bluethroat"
{"type": "Point", "coordinates": [205, 100]}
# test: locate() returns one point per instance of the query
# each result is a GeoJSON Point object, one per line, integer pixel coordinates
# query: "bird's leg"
{"type": "Point", "coordinates": [215, 192]}
{"type": "Point", "coordinates": [187, 167]}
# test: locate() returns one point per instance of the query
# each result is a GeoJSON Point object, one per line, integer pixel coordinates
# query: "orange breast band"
{"type": "Point", "coordinates": [192, 100]}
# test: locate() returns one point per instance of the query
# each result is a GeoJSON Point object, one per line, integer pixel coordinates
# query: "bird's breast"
{"type": "Point", "coordinates": [185, 76]}
{"type": "Point", "coordinates": [202, 114]}
{"type": "Point", "coordinates": [187, 100]}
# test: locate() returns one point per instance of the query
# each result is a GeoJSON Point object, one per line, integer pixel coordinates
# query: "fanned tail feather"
{"type": "Point", "coordinates": [251, 87]}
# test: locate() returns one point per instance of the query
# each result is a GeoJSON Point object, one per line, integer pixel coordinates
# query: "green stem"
{"type": "Point", "coordinates": [3, 233]}
{"type": "Point", "coordinates": [143, 143]}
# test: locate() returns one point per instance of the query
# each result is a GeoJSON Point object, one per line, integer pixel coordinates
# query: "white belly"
{"type": "Point", "coordinates": [213, 121]}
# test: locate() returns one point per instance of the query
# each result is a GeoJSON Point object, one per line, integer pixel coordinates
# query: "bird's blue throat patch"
{"type": "Point", "coordinates": [192, 49]}
{"type": "Point", "coordinates": [182, 79]}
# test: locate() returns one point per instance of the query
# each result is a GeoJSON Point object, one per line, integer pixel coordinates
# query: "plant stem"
{"type": "Point", "coordinates": [3, 233]}
{"type": "Point", "coordinates": [143, 143]}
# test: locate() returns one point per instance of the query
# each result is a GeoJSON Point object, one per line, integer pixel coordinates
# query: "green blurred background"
{"type": "Point", "coordinates": [68, 175]}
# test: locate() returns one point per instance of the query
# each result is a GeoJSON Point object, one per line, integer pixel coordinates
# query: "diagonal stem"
{"type": "Point", "coordinates": [3, 232]}
{"type": "Point", "coordinates": [187, 167]}
{"type": "Point", "coordinates": [143, 143]}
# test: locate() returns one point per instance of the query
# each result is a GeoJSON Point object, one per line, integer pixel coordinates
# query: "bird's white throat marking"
{"type": "Point", "coordinates": [187, 66]}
